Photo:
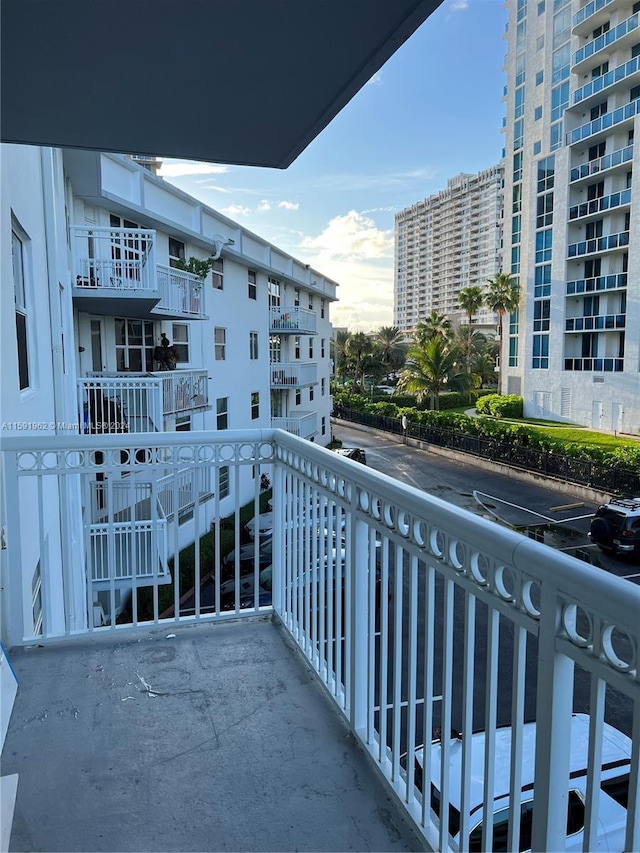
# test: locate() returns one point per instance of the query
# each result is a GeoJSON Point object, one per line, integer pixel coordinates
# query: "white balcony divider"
{"type": "Point", "coordinates": [416, 615]}
{"type": "Point", "coordinates": [184, 390]}
{"type": "Point", "coordinates": [113, 259]}
{"type": "Point", "coordinates": [291, 319]}
{"type": "Point", "coordinates": [293, 375]}
{"type": "Point", "coordinates": [181, 292]}
{"type": "Point", "coordinates": [302, 424]}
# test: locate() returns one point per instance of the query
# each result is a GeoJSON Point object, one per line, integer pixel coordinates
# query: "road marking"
{"type": "Point", "coordinates": [628, 577]}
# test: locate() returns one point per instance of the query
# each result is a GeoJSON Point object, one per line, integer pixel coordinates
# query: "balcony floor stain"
{"type": "Point", "coordinates": [218, 738]}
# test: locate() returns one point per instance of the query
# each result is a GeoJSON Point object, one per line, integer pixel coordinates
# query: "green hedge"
{"type": "Point", "coordinates": [500, 405]}
{"type": "Point", "coordinates": [520, 434]}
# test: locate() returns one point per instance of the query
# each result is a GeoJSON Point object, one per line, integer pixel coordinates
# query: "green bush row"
{"type": "Point", "coordinates": [500, 405]}
{"type": "Point", "coordinates": [519, 434]}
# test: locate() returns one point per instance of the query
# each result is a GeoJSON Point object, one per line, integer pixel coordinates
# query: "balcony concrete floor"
{"type": "Point", "coordinates": [218, 738]}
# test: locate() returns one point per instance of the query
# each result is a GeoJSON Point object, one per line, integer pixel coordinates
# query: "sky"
{"type": "Point", "coordinates": [433, 110]}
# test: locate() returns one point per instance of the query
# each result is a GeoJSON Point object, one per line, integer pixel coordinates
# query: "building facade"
{"type": "Point", "coordinates": [110, 328]}
{"type": "Point", "coordinates": [572, 230]}
{"type": "Point", "coordinates": [447, 242]}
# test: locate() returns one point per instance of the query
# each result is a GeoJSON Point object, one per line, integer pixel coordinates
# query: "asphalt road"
{"type": "Point", "coordinates": [455, 482]}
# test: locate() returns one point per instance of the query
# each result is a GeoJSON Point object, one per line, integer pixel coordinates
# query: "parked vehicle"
{"type": "Point", "coordinates": [616, 526]}
{"type": "Point", "coordinates": [247, 556]}
{"type": "Point", "coordinates": [614, 786]}
{"type": "Point", "coordinates": [355, 453]}
{"type": "Point", "coordinates": [246, 594]}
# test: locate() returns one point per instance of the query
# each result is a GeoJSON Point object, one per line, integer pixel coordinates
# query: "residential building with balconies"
{"type": "Point", "coordinates": [572, 97]}
{"type": "Point", "coordinates": [447, 242]}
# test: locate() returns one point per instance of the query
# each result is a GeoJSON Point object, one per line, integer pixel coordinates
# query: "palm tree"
{"type": "Point", "coordinates": [435, 325]}
{"type": "Point", "coordinates": [357, 347]}
{"type": "Point", "coordinates": [340, 352]}
{"type": "Point", "coordinates": [471, 299]}
{"type": "Point", "coordinates": [432, 368]}
{"type": "Point", "coordinates": [468, 341]}
{"type": "Point", "coordinates": [392, 347]}
{"type": "Point", "coordinates": [502, 294]}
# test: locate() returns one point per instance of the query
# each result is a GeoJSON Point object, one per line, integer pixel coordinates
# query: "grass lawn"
{"type": "Point", "coordinates": [585, 437]}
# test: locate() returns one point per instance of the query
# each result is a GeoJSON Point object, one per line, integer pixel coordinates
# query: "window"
{"type": "Point", "coordinates": [255, 405]}
{"type": "Point", "coordinates": [540, 43]}
{"type": "Point", "coordinates": [296, 296]}
{"type": "Point", "coordinates": [537, 113]}
{"type": "Point", "coordinates": [513, 352]}
{"type": "Point", "coordinates": [544, 242]}
{"type": "Point", "coordinates": [323, 386]}
{"type": "Point", "coordinates": [322, 303]}
{"type": "Point", "coordinates": [594, 229]}
{"type": "Point", "coordinates": [296, 346]}
{"type": "Point", "coordinates": [298, 397]}
{"type": "Point", "coordinates": [324, 426]}
{"type": "Point", "coordinates": [544, 213]}
{"type": "Point", "coordinates": [253, 346]}
{"type": "Point", "coordinates": [597, 151]}
{"type": "Point", "coordinates": [311, 302]}
{"type": "Point", "coordinates": [518, 134]}
{"type": "Point", "coordinates": [134, 345]}
{"type": "Point", "coordinates": [220, 343]}
{"type": "Point", "coordinates": [176, 252]}
{"type": "Point", "coordinates": [274, 293]}
{"type": "Point", "coordinates": [310, 347]}
{"type": "Point", "coordinates": [541, 314]}
{"type": "Point", "coordinates": [222, 413]}
{"type": "Point", "coordinates": [223, 482]}
{"type": "Point", "coordinates": [599, 70]}
{"type": "Point", "coordinates": [517, 167]}
{"type": "Point", "coordinates": [311, 394]}
{"type": "Point", "coordinates": [546, 174]}
{"type": "Point", "coordinates": [22, 320]}
{"type": "Point", "coordinates": [598, 110]}
{"type": "Point", "coordinates": [517, 199]}
{"type": "Point", "coordinates": [539, 78]}
{"type": "Point", "coordinates": [595, 191]}
{"type": "Point", "coordinates": [217, 269]}
{"type": "Point", "coordinates": [180, 332]}
{"type": "Point", "coordinates": [275, 349]}
{"type": "Point", "coordinates": [541, 8]}
{"type": "Point", "coordinates": [542, 281]}
{"type": "Point", "coordinates": [537, 147]}
{"type": "Point", "coordinates": [559, 100]}
{"type": "Point", "coordinates": [252, 284]}
{"type": "Point", "coordinates": [322, 340]}
{"type": "Point", "coordinates": [634, 94]}
{"type": "Point", "coordinates": [183, 424]}
{"type": "Point", "coordinates": [516, 229]}
{"type": "Point", "coordinates": [555, 136]}
{"type": "Point", "coordinates": [635, 50]}
{"type": "Point", "coordinates": [540, 359]}
{"type": "Point", "coordinates": [600, 30]}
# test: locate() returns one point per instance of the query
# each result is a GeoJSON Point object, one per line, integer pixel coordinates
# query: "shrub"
{"type": "Point", "coordinates": [500, 405]}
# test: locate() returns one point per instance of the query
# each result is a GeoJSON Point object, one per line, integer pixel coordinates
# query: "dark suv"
{"type": "Point", "coordinates": [355, 453]}
{"type": "Point", "coordinates": [616, 526]}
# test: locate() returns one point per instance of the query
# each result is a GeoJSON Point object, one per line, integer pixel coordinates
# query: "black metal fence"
{"type": "Point", "coordinates": [583, 472]}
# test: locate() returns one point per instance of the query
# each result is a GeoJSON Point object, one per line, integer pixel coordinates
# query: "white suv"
{"type": "Point", "coordinates": [616, 526]}
{"type": "Point", "coordinates": [614, 784]}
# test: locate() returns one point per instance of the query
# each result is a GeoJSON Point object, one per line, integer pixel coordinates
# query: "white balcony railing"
{"type": "Point", "coordinates": [292, 320]}
{"type": "Point", "coordinates": [302, 424]}
{"type": "Point", "coordinates": [416, 616]}
{"type": "Point", "coordinates": [293, 375]}
{"type": "Point", "coordinates": [181, 292]}
{"type": "Point", "coordinates": [114, 261]}
{"type": "Point", "coordinates": [135, 403]}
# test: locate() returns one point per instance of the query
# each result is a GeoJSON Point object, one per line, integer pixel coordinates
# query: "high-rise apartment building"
{"type": "Point", "coordinates": [447, 242]}
{"type": "Point", "coordinates": [572, 213]}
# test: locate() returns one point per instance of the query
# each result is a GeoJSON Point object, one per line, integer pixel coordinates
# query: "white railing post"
{"type": "Point", "coordinates": [278, 550]}
{"type": "Point", "coordinates": [14, 595]}
{"type": "Point", "coordinates": [359, 622]}
{"type": "Point", "coordinates": [554, 707]}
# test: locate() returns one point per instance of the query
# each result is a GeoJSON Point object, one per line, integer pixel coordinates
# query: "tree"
{"type": "Point", "coordinates": [340, 353]}
{"type": "Point", "coordinates": [391, 347]}
{"type": "Point", "coordinates": [502, 294]}
{"type": "Point", "coordinates": [357, 347]}
{"type": "Point", "coordinates": [468, 341]}
{"type": "Point", "coordinates": [435, 325]}
{"type": "Point", "coordinates": [432, 368]}
{"type": "Point", "coordinates": [471, 299]}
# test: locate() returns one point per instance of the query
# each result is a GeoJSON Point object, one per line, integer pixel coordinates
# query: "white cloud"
{"type": "Point", "coordinates": [264, 205]}
{"type": "Point", "coordinates": [351, 237]}
{"type": "Point", "coordinates": [179, 168]}
{"type": "Point", "coordinates": [376, 80]}
{"type": "Point", "coordinates": [288, 205]}
{"type": "Point", "coordinates": [235, 210]}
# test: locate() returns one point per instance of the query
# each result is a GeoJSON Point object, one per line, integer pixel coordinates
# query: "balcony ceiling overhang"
{"type": "Point", "coordinates": [246, 82]}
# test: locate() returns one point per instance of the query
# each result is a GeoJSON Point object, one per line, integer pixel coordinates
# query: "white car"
{"type": "Point", "coordinates": [616, 762]}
